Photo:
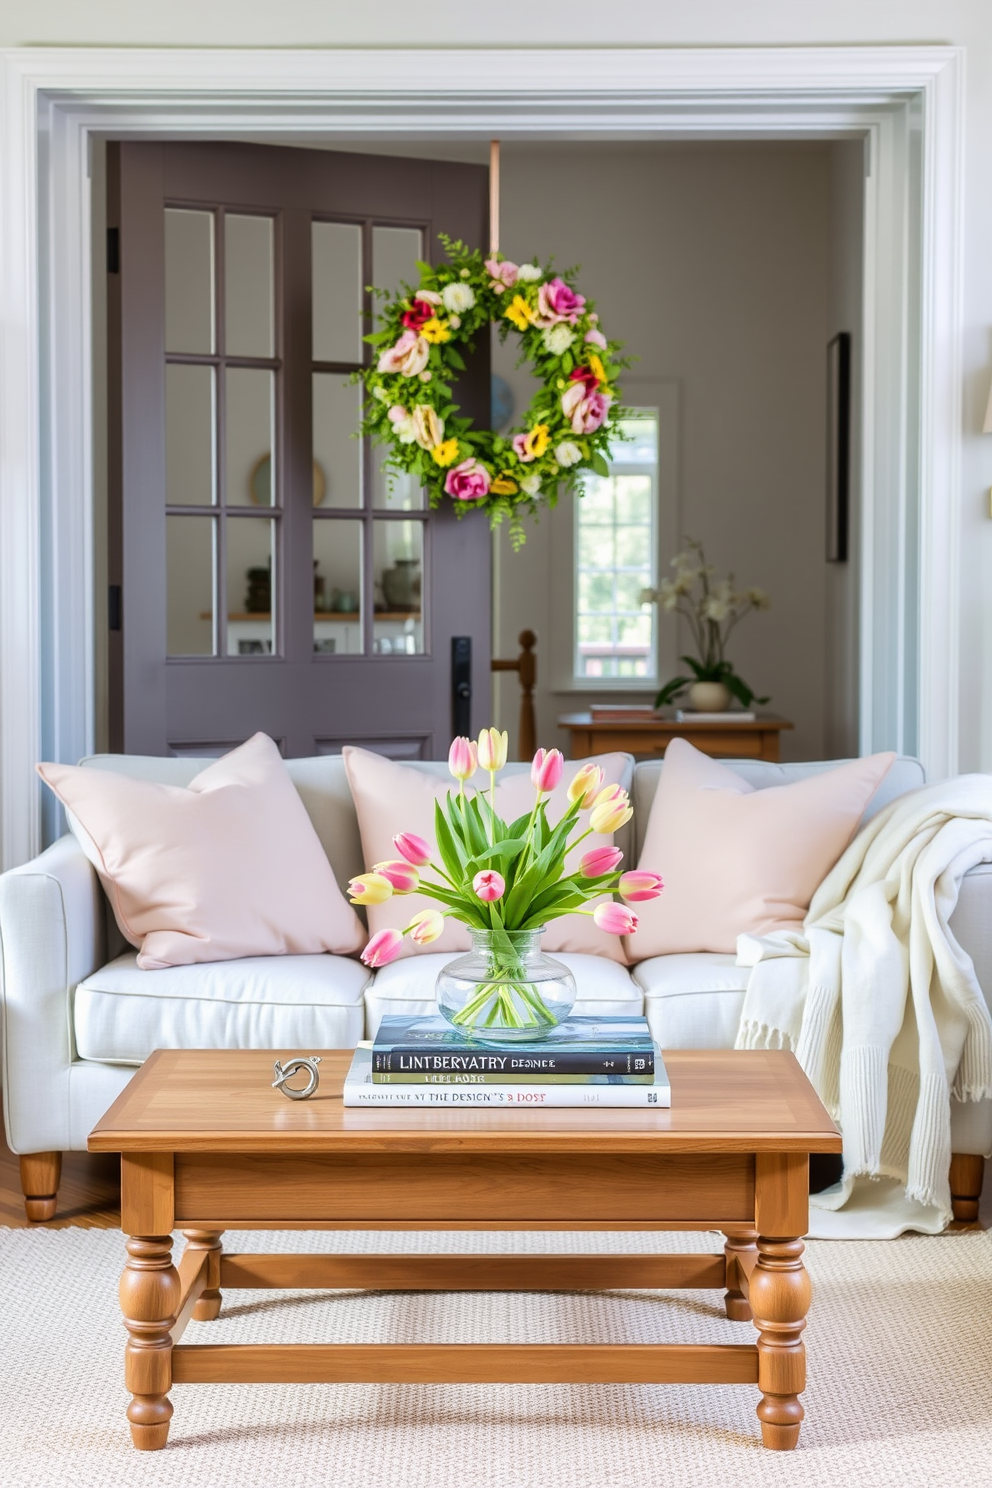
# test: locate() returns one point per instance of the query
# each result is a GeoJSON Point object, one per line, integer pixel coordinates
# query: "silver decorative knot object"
{"type": "Point", "coordinates": [293, 1067]}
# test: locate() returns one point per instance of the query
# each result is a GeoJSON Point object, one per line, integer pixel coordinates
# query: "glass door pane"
{"type": "Point", "coordinates": [337, 292]}
{"type": "Point", "coordinates": [337, 570]}
{"type": "Point", "coordinates": [398, 563]}
{"type": "Point", "coordinates": [190, 567]}
{"type": "Point", "coordinates": [248, 285]}
{"type": "Point", "coordinates": [251, 586]}
{"type": "Point", "coordinates": [189, 281]}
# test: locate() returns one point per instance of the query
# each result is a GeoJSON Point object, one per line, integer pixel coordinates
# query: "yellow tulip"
{"type": "Point", "coordinates": [586, 785]}
{"type": "Point", "coordinates": [493, 747]}
{"type": "Point", "coordinates": [518, 311]}
{"type": "Point", "coordinates": [435, 330]}
{"type": "Point", "coordinates": [446, 453]}
{"type": "Point", "coordinates": [609, 817]}
{"type": "Point", "coordinates": [370, 888]}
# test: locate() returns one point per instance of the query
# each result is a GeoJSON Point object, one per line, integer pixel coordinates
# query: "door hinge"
{"type": "Point", "coordinates": [114, 607]}
{"type": "Point", "coordinates": [113, 250]}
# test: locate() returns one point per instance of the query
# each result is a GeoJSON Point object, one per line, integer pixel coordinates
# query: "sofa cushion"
{"type": "Point", "coordinates": [226, 867]}
{"type": "Point", "coordinates": [742, 861]}
{"type": "Point", "coordinates": [262, 1002]}
{"type": "Point", "coordinates": [391, 798]}
{"type": "Point", "coordinates": [407, 987]}
{"type": "Point", "coordinates": [692, 1001]}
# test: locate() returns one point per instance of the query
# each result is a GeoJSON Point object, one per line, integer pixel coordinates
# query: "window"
{"type": "Point", "coordinates": [616, 546]}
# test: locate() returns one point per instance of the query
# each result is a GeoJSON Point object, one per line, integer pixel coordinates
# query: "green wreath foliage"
{"type": "Point", "coordinates": [409, 407]}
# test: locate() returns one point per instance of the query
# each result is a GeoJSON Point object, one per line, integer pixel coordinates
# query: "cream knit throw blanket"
{"type": "Point", "coordinates": [876, 998]}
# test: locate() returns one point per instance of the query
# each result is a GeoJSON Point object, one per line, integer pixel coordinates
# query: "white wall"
{"type": "Point", "coordinates": [588, 23]}
{"type": "Point", "coordinates": [710, 262]}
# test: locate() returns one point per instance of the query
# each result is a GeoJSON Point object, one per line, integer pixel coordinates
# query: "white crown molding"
{"type": "Point", "coordinates": [52, 99]}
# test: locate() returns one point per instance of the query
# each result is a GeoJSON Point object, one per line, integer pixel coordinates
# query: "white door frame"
{"type": "Point", "coordinates": [906, 101]}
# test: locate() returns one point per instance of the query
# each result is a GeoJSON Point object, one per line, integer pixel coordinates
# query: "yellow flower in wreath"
{"type": "Point", "coordinates": [435, 330]}
{"type": "Point", "coordinates": [446, 453]}
{"type": "Point", "coordinates": [504, 485]}
{"type": "Point", "coordinates": [596, 367]}
{"type": "Point", "coordinates": [535, 443]}
{"type": "Point", "coordinates": [519, 312]}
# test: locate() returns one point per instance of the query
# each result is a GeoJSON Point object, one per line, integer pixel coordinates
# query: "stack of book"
{"type": "Point", "coordinates": [584, 1062]}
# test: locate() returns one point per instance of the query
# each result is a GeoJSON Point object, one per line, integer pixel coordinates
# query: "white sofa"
{"type": "Point", "coordinates": [79, 1017]}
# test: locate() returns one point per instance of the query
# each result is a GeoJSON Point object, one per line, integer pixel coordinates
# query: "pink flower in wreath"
{"type": "Point", "coordinates": [409, 355]}
{"type": "Point", "coordinates": [504, 273]}
{"type": "Point", "coordinates": [586, 376]}
{"type": "Point", "coordinates": [556, 302]}
{"type": "Point", "coordinates": [596, 338]}
{"type": "Point", "coordinates": [469, 481]}
{"type": "Point", "coordinates": [419, 313]}
{"type": "Point", "coordinates": [586, 412]}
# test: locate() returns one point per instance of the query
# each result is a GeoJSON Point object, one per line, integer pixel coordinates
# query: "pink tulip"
{"type": "Point", "coordinates": [600, 860]}
{"type": "Point", "coordinates": [413, 848]}
{"type": "Point", "coordinates": [463, 758]}
{"type": "Point", "coordinates": [545, 771]}
{"type": "Point", "coordinates": [488, 885]}
{"type": "Point", "coordinates": [615, 918]}
{"type": "Point", "coordinates": [384, 947]}
{"type": "Point", "coordinates": [426, 927]}
{"type": "Point", "coordinates": [403, 876]}
{"type": "Point", "coordinates": [640, 885]}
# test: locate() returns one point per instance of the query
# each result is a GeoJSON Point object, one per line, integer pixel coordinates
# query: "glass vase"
{"type": "Point", "coordinates": [505, 988]}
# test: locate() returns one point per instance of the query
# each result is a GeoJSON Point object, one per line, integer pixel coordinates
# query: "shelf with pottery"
{"type": "Point", "coordinates": [400, 628]}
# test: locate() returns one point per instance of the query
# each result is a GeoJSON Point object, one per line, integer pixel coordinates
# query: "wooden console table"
{"type": "Point", "coordinates": [651, 736]}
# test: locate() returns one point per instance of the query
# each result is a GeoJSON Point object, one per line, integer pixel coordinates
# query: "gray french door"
{"type": "Point", "coordinates": [265, 573]}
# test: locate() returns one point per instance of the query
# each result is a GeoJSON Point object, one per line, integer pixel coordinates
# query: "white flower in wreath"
{"type": "Point", "coordinates": [380, 392]}
{"type": "Point", "coordinates": [568, 453]}
{"type": "Point", "coordinates": [557, 339]}
{"type": "Point", "coordinates": [529, 273]}
{"type": "Point", "coordinates": [458, 297]}
{"type": "Point", "coordinates": [428, 428]}
{"type": "Point", "coordinates": [404, 427]}
{"type": "Point", "coordinates": [530, 484]}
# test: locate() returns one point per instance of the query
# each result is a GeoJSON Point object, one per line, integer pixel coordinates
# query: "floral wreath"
{"type": "Point", "coordinates": [567, 428]}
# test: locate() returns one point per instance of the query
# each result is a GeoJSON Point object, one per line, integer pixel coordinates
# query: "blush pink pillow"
{"type": "Point", "coordinates": [391, 798]}
{"type": "Point", "coordinates": [225, 867]}
{"type": "Point", "coordinates": [737, 860]}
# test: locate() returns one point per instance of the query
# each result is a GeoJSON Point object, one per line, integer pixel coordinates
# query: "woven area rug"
{"type": "Point", "coordinates": [900, 1377]}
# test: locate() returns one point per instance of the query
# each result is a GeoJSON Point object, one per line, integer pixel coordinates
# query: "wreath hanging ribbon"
{"type": "Point", "coordinates": [409, 406]}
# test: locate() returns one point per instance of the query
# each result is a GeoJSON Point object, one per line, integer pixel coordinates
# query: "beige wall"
{"type": "Point", "coordinates": [711, 263]}
{"type": "Point", "coordinates": [442, 23]}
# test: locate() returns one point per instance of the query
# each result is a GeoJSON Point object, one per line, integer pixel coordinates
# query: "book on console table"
{"type": "Point", "coordinates": [601, 1090]}
{"type": "Point", "coordinates": [732, 715]}
{"type": "Point", "coordinates": [422, 1050]}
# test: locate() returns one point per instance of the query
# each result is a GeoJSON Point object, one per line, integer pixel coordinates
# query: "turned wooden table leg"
{"type": "Point", "coordinates": [780, 1295]}
{"type": "Point", "coordinates": [207, 1305]}
{"type": "Point", "coordinates": [740, 1251]}
{"type": "Point", "coordinates": [149, 1293]}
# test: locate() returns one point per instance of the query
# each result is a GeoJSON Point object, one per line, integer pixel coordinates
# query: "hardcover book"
{"type": "Point", "coordinates": [603, 1090]}
{"type": "Point", "coordinates": [431, 1050]}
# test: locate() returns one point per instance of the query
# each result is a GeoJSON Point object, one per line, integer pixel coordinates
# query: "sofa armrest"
{"type": "Point", "coordinates": [52, 936]}
{"type": "Point", "coordinates": [971, 923]}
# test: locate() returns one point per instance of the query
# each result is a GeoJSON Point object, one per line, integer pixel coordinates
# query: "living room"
{"type": "Point", "coordinates": [766, 237]}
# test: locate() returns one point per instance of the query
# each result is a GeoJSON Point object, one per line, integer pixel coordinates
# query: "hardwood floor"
{"type": "Point", "coordinates": [90, 1194]}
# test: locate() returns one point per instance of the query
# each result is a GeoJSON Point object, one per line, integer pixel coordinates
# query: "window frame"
{"type": "Point", "coordinates": [662, 395]}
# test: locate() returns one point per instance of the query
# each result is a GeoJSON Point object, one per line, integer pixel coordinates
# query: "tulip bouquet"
{"type": "Point", "coordinates": [507, 879]}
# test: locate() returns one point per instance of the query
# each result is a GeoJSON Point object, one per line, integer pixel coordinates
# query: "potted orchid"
{"type": "Point", "coordinates": [713, 608]}
{"type": "Point", "coordinates": [505, 880]}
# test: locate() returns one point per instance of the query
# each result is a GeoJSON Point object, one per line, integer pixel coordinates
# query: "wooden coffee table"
{"type": "Point", "coordinates": [206, 1145]}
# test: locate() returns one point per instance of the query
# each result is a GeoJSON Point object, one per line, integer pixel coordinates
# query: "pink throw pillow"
{"type": "Point", "coordinates": [391, 798]}
{"type": "Point", "coordinates": [737, 860]}
{"type": "Point", "coordinates": [228, 866]}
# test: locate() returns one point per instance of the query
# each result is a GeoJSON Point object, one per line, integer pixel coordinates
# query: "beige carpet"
{"type": "Point", "coordinates": [900, 1378]}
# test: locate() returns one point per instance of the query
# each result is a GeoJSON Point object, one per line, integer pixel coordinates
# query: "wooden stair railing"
{"type": "Point", "coordinates": [526, 667]}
